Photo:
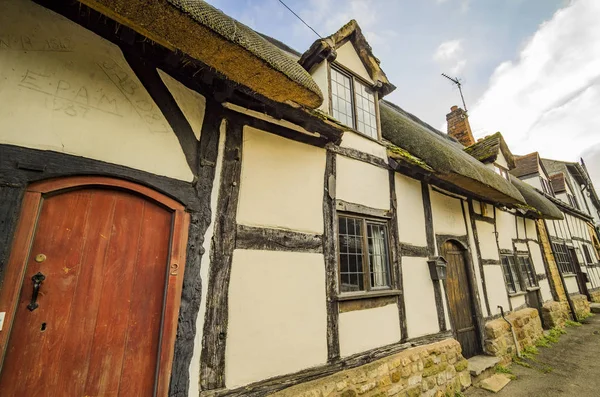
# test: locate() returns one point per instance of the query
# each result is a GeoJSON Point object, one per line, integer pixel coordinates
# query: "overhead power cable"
{"type": "Point", "coordinates": [301, 20]}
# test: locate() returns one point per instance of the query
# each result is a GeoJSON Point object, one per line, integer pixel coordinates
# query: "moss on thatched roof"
{"type": "Point", "coordinates": [486, 150]}
{"type": "Point", "coordinates": [401, 155]}
{"type": "Point", "coordinates": [537, 204]}
{"type": "Point", "coordinates": [445, 157]}
{"type": "Point", "coordinates": [204, 33]}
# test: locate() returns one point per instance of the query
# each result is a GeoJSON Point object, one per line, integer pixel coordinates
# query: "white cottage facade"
{"type": "Point", "coordinates": [282, 229]}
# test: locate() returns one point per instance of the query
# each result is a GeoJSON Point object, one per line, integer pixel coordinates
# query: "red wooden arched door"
{"type": "Point", "coordinates": [91, 291]}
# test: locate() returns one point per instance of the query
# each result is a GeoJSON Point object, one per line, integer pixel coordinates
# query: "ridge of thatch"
{"type": "Point", "coordinates": [199, 30]}
{"type": "Point", "coordinates": [325, 49]}
{"type": "Point", "coordinates": [538, 205]}
{"type": "Point", "coordinates": [486, 150]}
{"type": "Point", "coordinates": [445, 157]}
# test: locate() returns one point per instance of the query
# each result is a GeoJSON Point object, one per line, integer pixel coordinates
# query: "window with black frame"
{"type": "Point", "coordinates": [353, 103]}
{"type": "Point", "coordinates": [527, 270]}
{"type": "Point", "coordinates": [510, 272]}
{"type": "Point", "coordinates": [363, 254]}
{"type": "Point", "coordinates": [586, 253]}
{"type": "Point", "coordinates": [563, 260]}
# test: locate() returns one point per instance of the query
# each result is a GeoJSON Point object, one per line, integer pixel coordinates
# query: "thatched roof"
{"type": "Point", "coordinates": [444, 156]}
{"type": "Point", "coordinates": [486, 150]}
{"type": "Point", "coordinates": [538, 205]}
{"type": "Point", "coordinates": [204, 33]}
{"type": "Point", "coordinates": [325, 49]}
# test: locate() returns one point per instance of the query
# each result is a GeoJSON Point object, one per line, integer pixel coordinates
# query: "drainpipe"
{"type": "Point", "coordinates": [512, 330]}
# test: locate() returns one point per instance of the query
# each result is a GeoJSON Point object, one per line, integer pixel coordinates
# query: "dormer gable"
{"type": "Point", "coordinates": [344, 67]}
{"type": "Point", "coordinates": [330, 47]}
{"type": "Point", "coordinates": [530, 169]}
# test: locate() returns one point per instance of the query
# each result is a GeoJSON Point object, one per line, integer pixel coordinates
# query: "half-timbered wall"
{"type": "Point", "coordinates": [65, 89]}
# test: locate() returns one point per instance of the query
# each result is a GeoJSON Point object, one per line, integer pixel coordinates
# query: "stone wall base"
{"type": "Point", "coordinates": [437, 369]}
{"type": "Point", "coordinates": [595, 295]}
{"type": "Point", "coordinates": [499, 339]}
{"type": "Point", "coordinates": [582, 306]}
{"type": "Point", "coordinates": [555, 314]}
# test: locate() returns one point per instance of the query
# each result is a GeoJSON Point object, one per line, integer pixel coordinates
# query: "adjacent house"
{"type": "Point", "coordinates": [190, 208]}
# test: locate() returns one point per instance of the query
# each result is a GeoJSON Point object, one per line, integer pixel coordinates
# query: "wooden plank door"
{"type": "Point", "coordinates": [460, 300]}
{"type": "Point", "coordinates": [104, 256]}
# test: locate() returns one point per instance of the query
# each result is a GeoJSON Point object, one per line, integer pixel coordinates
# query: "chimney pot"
{"type": "Point", "coordinates": [458, 126]}
{"type": "Point", "coordinates": [453, 108]}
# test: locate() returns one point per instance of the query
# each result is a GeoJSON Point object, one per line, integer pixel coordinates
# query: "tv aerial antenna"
{"type": "Point", "coordinates": [456, 81]}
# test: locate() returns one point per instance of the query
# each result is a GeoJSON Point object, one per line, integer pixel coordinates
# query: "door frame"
{"type": "Point", "coordinates": [475, 302]}
{"type": "Point", "coordinates": [11, 284]}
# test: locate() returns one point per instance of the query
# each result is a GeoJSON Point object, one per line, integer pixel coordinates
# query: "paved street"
{"type": "Point", "coordinates": [569, 368]}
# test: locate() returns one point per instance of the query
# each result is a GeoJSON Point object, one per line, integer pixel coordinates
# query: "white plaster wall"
{"type": "Point", "coordinates": [487, 240]}
{"type": "Point", "coordinates": [353, 140]}
{"type": "Point", "coordinates": [496, 289]}
{"type": "Point", "coordinates": [477, 207]}
{"type": "Point", "coordinates": [571, 282]}
{"type": "Point", "coordinates": [361, 183]}
{"type": "Point", "coordinates": [520, 227]}
{"type": "Point", "coordinates": [65, 89]}
{"type": "Point", "coordinates": [447, 215]}
{"type": "Point", "coordinates": [419, 299]}
{"type": "Point", "coordinates": [411, 215]}
{"type": "Point", "coordinates": [204, 269]}
{"type": "Point", "coordinates": [347, 56]}
{"type": "Point", "coordinates": [475, 261]}
{"type": "Point", "coordinates": [534, 181]}
{"type": "Point", "coordinates": [277, 315]}
{"type": "Point", "coordinates": [563, 197]}
{"type": "Point", "coordinates": [521, 246]}
{"type": "Point", "coordinates": [545, 290]}
{"type": "Point", "coordinates": [501, 160]}
{"type": "Point", "coordinates": [536, 256]}
{"type": "Point", "coordinates": [191, 103]}
{"type": "Point", "coordinates": [363, 330]}
{"type": "Point", "coordinates": [281, 183]}
{"type": "Point", "coordinates": [517, 301]}
{"type": "Point", "coordinates": [551, 228]}
{"type": "Point", "coordinates": [505, 226]}
{"type": "Point", "coordinates": [320, 76]}
{"type": "Point", "coordinates": [531, 229]}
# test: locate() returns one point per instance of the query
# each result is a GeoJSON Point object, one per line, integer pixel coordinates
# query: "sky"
{"type": "Point", "coordinates": [529, 68]}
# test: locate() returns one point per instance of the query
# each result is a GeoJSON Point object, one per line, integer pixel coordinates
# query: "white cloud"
{"type": "Point", "coordinates": [548, 100]}
{"type": "Point", "coordinates": [449, 55]}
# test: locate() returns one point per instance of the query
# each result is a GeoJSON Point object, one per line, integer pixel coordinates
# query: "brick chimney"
{"type": "Point", "coordinates": [458, 126]}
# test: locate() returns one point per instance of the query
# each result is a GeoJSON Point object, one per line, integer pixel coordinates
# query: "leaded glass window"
{"type": "Point", "coordinates": [366, 118]}
{"type": "Point", "coordinates": [341, 98]}
{"type": "Point", "coordinates": [363, 254]}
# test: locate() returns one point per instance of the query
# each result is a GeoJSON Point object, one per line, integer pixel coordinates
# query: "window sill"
{"type": "Point", "coordinates": [520, 293]}
{"type": "Point", "coordinates": [529, 289]}
{"type": "Point", "coordinates": [368, 295]}
{"type": "Point", "coordinates": [569, 275]}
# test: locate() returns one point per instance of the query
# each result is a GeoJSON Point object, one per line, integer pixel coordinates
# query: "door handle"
{"type": "Point", "coordinates": [37, 282]}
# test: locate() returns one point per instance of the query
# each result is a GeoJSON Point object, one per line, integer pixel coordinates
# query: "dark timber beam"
{"type": "Point", "coordinates": [260, 238]}
{"type": "Point", "coordinates": [329, 253]}
{"type": "Point", "coordinates": [212, 365]}
{"type": "Point", "coordinates": [430, 234]}
{"type": "Point", "coordinates": [478, 251]}
{"type": "Point", "coordinates": [396, 257]}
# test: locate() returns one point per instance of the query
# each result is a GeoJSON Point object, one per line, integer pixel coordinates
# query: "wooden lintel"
{"type": "Point", "coordinates": [413, 250]}
{"type": "Point", "coordinates": [354, 208]}
{"type": "Point", "coordinates": [260, 238]}
{"type": "Point", "coordinates": [358, 155]}
{"type": "Point", "coordinates": [489, 262]}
